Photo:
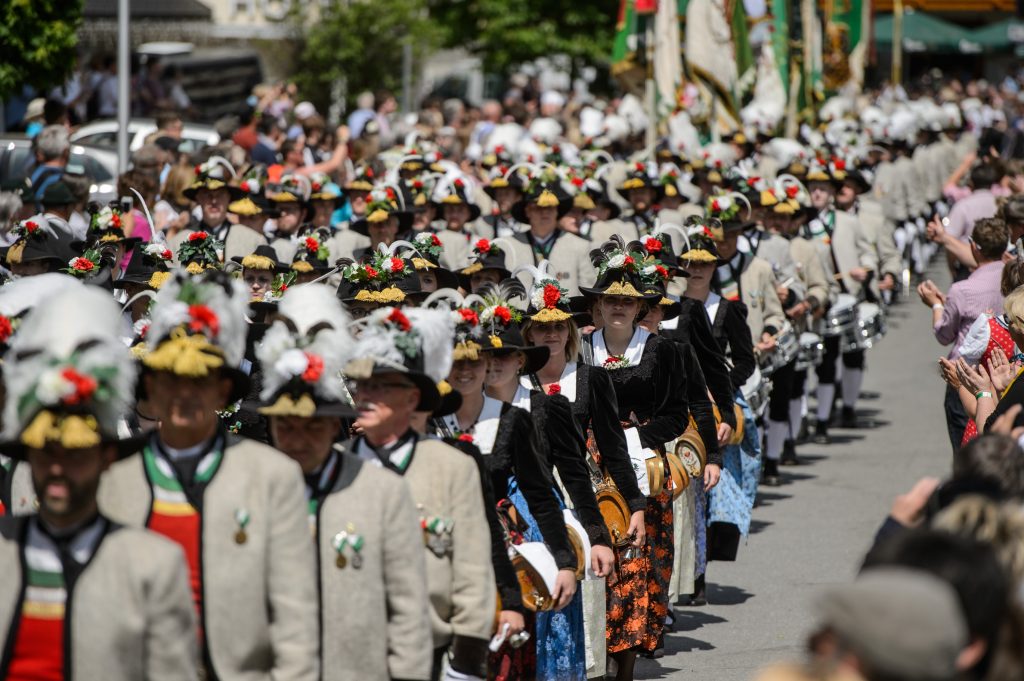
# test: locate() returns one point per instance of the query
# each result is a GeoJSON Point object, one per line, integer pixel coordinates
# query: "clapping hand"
{"type": "Point", "coordinates": [1001, 371]}
{"type": "Point", "coordinates": [975, 379]}
{"type": "Point", "coordinates": [948, 371]}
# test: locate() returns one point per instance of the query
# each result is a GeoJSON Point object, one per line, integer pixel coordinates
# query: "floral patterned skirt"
{"type": "Point", "coordinates": [638, 601]}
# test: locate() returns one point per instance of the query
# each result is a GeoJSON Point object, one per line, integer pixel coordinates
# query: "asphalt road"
{"type": "Point", "coordinates": [814, 529]}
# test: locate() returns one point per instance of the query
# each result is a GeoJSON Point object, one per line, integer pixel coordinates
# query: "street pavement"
{"type": "Point", "coordinates": [814, 529]}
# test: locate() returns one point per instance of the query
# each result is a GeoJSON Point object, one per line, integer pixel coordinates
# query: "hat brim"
{"type": "Point", "coordinates": [235, 193]}
{"type": "Point", "coordinates": [362, 225]}
{"type": "Point", "coordinates": [518, 210]}
{"type": "Point", "coordinates": [536, 355]}
{"type": "Point", "coordinates": [474, 210]}
{"type": "Point", "coordinates": [240, 382]}
{"type": "Point", "coordinates": [323, 409]}
{"type": "Point", "coordinates": [125, 447]}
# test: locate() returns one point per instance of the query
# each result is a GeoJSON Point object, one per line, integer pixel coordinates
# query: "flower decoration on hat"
{"type": "Point", "coordinates": [383, 202]}
{"type": "Point", "coordinates": [702, 235]}
{"type": "Point", "coordinates": [159, 252]}
{"type": "Point", "coordinates": [200, 252]}
{"type": "Point", "coordinates": [85, 265]}
{"type": "Point", "coordinates": [311, 254]}
{"type": "Point", "coordinates": [376, 279]}
{"type": "Point", "coordinates": [727, 207]}
{"type": "Point", "coordinates": [429, 245]}
{"type": "Point", "coordinates": [106, 225]}
{"type": "Point", "coordinates": [320, 186]}
{"type": "Point", "coordinates": [214, 173]}
{"type": "Point", "coordinates": [291, 189]}
{"type": "Point", "coordinates": [74, 377]}
{"type": "Point", "coordinates": [198, 324]}
{"type": "Point", "coordinates": [638, 177]}
{"type": "Point", "coordinates": [549, 302]}
{"type": "Point", "coordinates": [36, 228]}
{"type": "Point", "coordinates": [364, 181]}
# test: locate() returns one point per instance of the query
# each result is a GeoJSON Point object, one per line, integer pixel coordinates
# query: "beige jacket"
{"type": "Point", "coordinates": [344, 242]}
{"type": "Point", "coordinates": [879, 233]}
{"type": "Point", "coordinates": [764, 310]}
{"type": "Point", "coordinates": [852, 248]}
{"type": "Point", "coordinates": [456, 248]}
{"type": "Point", "coordinates": [376, 618]}
{"type": "Point", "coordinates": [131, 608]}
{"type": "Point", "coordinates": [569, 258]}
{"type": "Point", "coordinates": [445, 483]}
{"type": "Point", "coordinates": [260, 601]}
{"type": "Point", "coordinates": [23, 493]}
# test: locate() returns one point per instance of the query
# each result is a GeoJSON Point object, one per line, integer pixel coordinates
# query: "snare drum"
{"type": "Point", "coordinates": [787, 347]}
{"type": "Point", "coordinates": [812, 350]}
{"type": "Point", "coordinates": [869, 329]}
{"type": "Point", "coordinates": [536, 572]}
{"type": "Point", "coordinates": [842, 316]}
{"type": "Point", "coordinates": [756, 391]}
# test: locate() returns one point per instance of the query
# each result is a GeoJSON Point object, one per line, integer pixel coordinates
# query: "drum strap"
{"type": "Point", "coordinates": [587, 350]}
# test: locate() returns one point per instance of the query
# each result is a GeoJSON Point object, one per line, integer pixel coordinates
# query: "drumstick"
{"type": "Point", "coordinates": [839, 275]}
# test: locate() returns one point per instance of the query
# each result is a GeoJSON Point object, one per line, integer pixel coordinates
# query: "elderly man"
{"type": "Point", "coordinates": [955, 312]}
{"type": "Point", "coordinates": [52, 148]}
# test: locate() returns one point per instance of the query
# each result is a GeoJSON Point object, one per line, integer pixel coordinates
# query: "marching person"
{"type": "Point", "coordinates": [212, 191]}
{"type": "Point", "coordinates": [236, 507]}
{"type": "Point", "coordinates": [82, 596]}
{"type": "Point", "coordinates": [650, 388]}
{"type": "Point", "coordinates": [373, 592]}
{"type": "Point", "coordinates": [851, 261]}
{"type": "Point", "coordinates": [398, 361]}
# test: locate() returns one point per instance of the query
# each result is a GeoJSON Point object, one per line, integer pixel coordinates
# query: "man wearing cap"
{"type": "Point", "coordinates": [543, 204]}
{"type": "Point", "coordinates": [58, 203]}
{"type": "Point", "coordinates": [458, 212]}
{"type": "Point", "coordinates": [373, 593]}
{"type": "Point", "coordinates": [235, 506]}
{"type": "Point", "coordinates": [390, 382]}
{"type": "Point", "coordinates": [70, 568]}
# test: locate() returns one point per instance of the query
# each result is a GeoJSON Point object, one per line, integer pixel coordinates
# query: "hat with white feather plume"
{"type": "Point", "coordinates": [416, 343]}
{"type": "Point", "coordinates": [303, 353]}
{"type": "Point", "coordinates": [69, 377]}
{"type": "Point", "coordinates": [198, 328]}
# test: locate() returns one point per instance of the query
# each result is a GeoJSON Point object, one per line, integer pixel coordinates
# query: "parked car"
{"type": "Point", "coordinates": [99, 163]}
{"type": "Point", "coordinates": [103, 133]}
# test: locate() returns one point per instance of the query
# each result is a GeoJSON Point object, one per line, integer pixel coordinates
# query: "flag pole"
{"type": "Point", "coordinates": [897, 43]}
{"type": "Point", "coordinates": [124, 76]}
{"type": "Point", "coordinates": [650, 89]}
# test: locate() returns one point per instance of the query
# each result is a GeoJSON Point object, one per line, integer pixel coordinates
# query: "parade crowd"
{"type": "Point", "coordinates": [486, 393]}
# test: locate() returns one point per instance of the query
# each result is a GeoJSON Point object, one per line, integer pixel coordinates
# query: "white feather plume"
{"type": "Point", "coordinates": [80, 321]}
{"type": "Point", "coordinates": [433, 336]}
{"type": "Point", "coordinates": [230, 307]}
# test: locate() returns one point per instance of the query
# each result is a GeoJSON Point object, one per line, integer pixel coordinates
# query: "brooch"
{"type": "Point", "coordinates": [242, 518]}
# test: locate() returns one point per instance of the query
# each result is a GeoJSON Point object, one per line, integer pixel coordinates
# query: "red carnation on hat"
{"type": "Point", "coordinates": [315, 186]}
{"type": "Point", "coordinates": [503, 313]}
{"type": "Point", "coordinates": [482, 246]}
{"type": "Point", "coordinates": [390, 193]}
{"type": "Point", "coordinates": [400, 320]}
{"type": "Point", "coordinates": [369, 172]}
{"type": "Point", "coordinates": [458, 183]}
{"type": "Point", "coordinates": [840, 164]}
{"type": "Point", "coordinates": [166, 254]}
{"type": "Point", "coordinates": [203, 317]}
{"type": "Point", "coordinates": [115, 219]}
{"type": "Point", "coordinates": [554, 389]}
{"type": "Point", "coordinates": [552, 294]}
{"type": "Point", "coordinates": [792, 190]}
{"type": "Point", "coordinates": [652, 245]}
{"type": "Point", "coordinates": [85, 386]}
{"type": "Point", "coordinates": [640, 167]}
{"type": "Point", "coordinates": [314, 368]}
{"type": "Point", "coordinates": [499, 149]}
{"type": "Point", "coordinates": [434, 241]}
{"type": "Point", "coordinates": [245, 187]}
{"type": "Point", "coordinates": [465, 437]}
{"type": "Point", "coordinates": [397, 264]}
{"type": "Point", "coordinates": [312, 245]}
{"type": "Point", "coordinates": [198, 236]}
{"type": "Point", "coordinates": [6, 330]}
{"type": "Point", "coordinates": [715, 206]}
{"type": "Point", "coordinates": [469, 316]}
{"type": "Point", "coordinates": [31, 227]}
{"type": "Point", "coordinates": [370, 272]}
{"type": "Point", "coordinates": [199, 170]}
{"type": "Point", "coordinates": [577, 181]}
{"type": "Point", "coordinates": [662, 272]}
{"type": "Point", "coordinates": [82, 264]}
{"type": "Point", "coordinates": [629, 260]}
{"type": "Point", "coordinates": [417, 184]}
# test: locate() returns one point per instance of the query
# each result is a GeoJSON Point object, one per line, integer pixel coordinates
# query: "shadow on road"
{"type": "Point", "coordinates": [765, 498]}
{"type": "Point", "coordinates": [720, 594]}
{"type": "Point", "coordinates": [691, 619]}
{"type": "Point", "coordinates": [757, 526]}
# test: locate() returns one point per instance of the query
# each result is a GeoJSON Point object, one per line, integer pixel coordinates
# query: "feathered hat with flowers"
{"type": "Point", "coordinates": [501, 320]}
{"type": "Point", "coordinates": [323, 188]}
{"type": "Point", "coordinates": [36, 239]}
{"type": "Point", "coordinates": [416, 343]}
{"type": "Point", "coordinates": [200, 251]}
{"type": "Point", "coordinates": [549, 302]}
{"type": "Point", "coordinates": [619, 266]}
{"type": "Point", "coordinates": [383, 278]}
{"type": "Point", "coordinates": [106, 227]}
{"type": "Point", "coordinates": [455, 192]}
{"type": "Point", "coordinates": [303, 353]}
{"type": "Point", "coordinates": [640, 175]}
{"type": "Point", "coordinates": [468, 336]}
{"type": "Point", "coordinates": [703, 235]}
{"type": "Point", "coordinates": [253, 200]}
{"type": "Point", "coordinates": [364, 180]}
{"type": "Point", "coordinates": [311, 254]}
{"type": "Point", "coordinates": [198, 328]}
{"type": "Point", "coordinates": [68, 376]}
{"type": "Point", "coordinates": [215, 173]}
{"type": "Point", "coordinates": [383, 203]}
{"type": "Point", "coordinates": [148, 267]}
{"type": "Point", "coordinates": [488, 254]}
{"type": "Point", "coordinates": [425, 254]}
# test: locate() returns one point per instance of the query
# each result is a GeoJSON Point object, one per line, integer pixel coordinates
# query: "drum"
{"type": "Point", "coordinates": [614, 510]}
{"type": "Point", "coordinates": [656, 475]}
{"type": "Point", "coordinates": [812, 349]}
{"type": "Point", "coordinates": [756, 391]}
{"type": "Point", "coordinates": [842, 316]}
{"type": "Point", "coordinates": [869, 329]}
{"type": "Point", "coordinates": [787, 346]}
{"type": "Point", "coordinates": [536, 572]}
{"type": "Point", "coordinates": [680, 478]}
{"type": "Point", "coordinates": [737, 433]}
{"type": "Point", "coordinates": [691, 452]}
{"type": "Point", "coordinates": [580, 543]}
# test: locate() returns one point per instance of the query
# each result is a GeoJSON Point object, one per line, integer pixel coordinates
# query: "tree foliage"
{"type": "Point", "coordinates": [37, 42]}
{"type": "Point", "coordinates": [505, 33]}
{"type": "Point", "coordinates": [361, 42]}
